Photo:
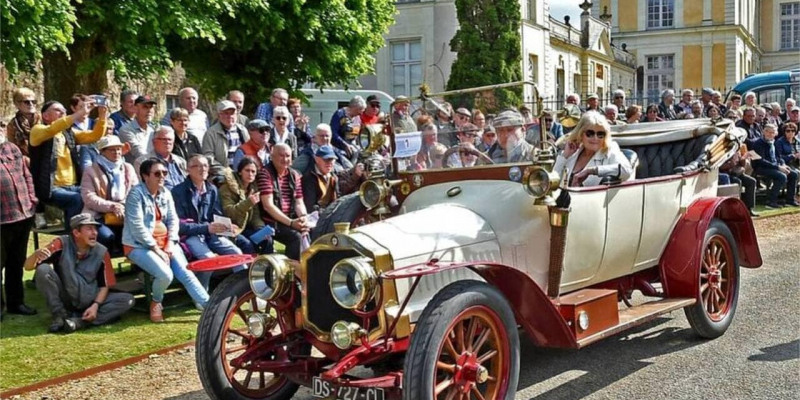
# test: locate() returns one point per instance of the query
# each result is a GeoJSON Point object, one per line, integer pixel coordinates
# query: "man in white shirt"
{"type": "Point", "coordinates": [198, 120]}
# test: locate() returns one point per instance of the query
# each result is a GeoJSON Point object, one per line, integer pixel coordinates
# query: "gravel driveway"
{"type": "Point", "coordinates": [758, 358]}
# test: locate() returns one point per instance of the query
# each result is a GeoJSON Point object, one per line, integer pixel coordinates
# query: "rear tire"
{"type": "Point", "coordinates": [344, 209]}
{"type": "Point", "coordinates": [718, 282]}
{"type": "Point", "coordinates": [232, 294]}
{"type": "Point", "coordinates": [467, 327]}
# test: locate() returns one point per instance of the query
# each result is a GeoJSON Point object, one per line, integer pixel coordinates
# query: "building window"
{"type": "Point", "coordinates": [531, 10]}
{"type": "Point", "coordinates": [660, 75]}
{"type": "Point", "coordinates": [660, 13]}
{"type": "Point", "coordinates": [534, 67]}
{"type": "Point", "coordinates": [406, 67]}
{"type": "Point", "coordinates": [172, 101]}
{"type": "Point", "coordinates": [790, 26]}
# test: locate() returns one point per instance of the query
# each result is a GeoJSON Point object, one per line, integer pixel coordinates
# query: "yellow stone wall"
{"type": "Point", "coordinates": [693, 66]}
{"type": "Point", "coordinates": [717, 11]}
{"type": "Point", "coordinates": [718, 70]}
{"type": "Point", "coordinates": [767, 42]}
{"type": "Point", "coordinates": [628, 15]}
{"type": "Point", "coordinates": [693, 13]}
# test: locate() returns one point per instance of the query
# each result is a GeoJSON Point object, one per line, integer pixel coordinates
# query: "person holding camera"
{"type": "Point", "coordinates": [55, 158]}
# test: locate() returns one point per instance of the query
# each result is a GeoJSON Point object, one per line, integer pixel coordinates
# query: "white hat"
{"type": "Point", "coordinates": [225, 105]}
{"type": "Point", "coordinates": [108, 141]}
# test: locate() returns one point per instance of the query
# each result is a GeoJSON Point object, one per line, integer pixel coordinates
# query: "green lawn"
{"type": "Point", "coordinates": [29, 354]}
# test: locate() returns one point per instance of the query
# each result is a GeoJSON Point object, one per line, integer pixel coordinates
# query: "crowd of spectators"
{"type": "Point", "coordinates": [153, 191]}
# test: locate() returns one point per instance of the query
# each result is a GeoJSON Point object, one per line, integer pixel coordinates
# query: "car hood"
{"type": "Point", "coordinates": [441, 231]}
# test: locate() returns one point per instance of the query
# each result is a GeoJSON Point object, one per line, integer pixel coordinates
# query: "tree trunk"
{"type": "Point", "coordinates": [61, 77]}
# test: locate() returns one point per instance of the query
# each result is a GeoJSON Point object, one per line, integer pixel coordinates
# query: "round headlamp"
{"type": "Point", "coordinates": [353, 282]}
{"type": "Point", "coordinates": [271, 276]}
{"type": "Point", "coordinates": [372, 194]}
{"type": "Point", "coordinates": [256, 325]}
{"type": "Point", "coordinates": [538, 182]}
{"type": "Point", "coordinates": [345, 334]}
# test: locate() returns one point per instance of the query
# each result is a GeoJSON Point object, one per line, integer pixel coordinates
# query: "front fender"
{"type": "Point", "coordinates": [533, 309]}
{"type": "Point", "coordinates": [680, 263]}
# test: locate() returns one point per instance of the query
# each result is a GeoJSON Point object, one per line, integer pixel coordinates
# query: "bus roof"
{"type": "Point", "coordinates": [767, 78]}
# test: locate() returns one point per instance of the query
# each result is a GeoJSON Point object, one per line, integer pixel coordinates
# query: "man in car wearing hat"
{"type": "Point", "coordinates": [139, 131]}
{"type": "Point", "coordinates": [401, 121]}
{"type": "Point", "coordinates": [74, 274]}
{"type": "Point", "coordinates": [510, 146]}
{"type": "Point", "coordinates": [593, 103]}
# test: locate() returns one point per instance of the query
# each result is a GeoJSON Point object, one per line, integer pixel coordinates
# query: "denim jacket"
{"type": "Point", "coordinates": [140, 216]}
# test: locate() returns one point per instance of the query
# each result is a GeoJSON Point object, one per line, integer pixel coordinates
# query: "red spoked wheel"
{"type": "Point", "coordinates": [473, 355]}
{"type": "Point", "coordinates": [236, 339]}
{"type": "Point", "coordinates": [718, 281]}
{"type": "Point", "coordinates": [223, 335]}
{"type": "Point", "coordinates": [466, 346]}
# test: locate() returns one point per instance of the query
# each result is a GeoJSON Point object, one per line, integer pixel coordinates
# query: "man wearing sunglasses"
{"type": "Point", "coordinates": [372, 113]}
{"type": "Point", "coordinates": [618, 99]}
{"type": "Point", "coordinates": [256, 147]}
{"type": "Point", "coordinates": [554, 129]}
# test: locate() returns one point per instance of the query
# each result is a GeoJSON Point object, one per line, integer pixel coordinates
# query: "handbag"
{"type": "Point", "coordinates": [111, 219]}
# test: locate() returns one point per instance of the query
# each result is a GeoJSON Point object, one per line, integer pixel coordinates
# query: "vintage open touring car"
{"type": "Point", "coordinates": [427, 302]}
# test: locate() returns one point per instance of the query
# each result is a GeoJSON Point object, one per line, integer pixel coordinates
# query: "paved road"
{"type": "Point", "coordinates": [758, 358]}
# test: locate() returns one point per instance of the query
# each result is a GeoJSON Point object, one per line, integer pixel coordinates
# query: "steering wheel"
{"type": "Point", "coordinates": [482, 158]}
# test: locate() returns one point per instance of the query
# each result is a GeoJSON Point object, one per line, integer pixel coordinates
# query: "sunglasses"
{"type": "Point", "coordinates": [159, 174]}
{"type": "Point", "coordinates": [590, 134]}
{"type": "Point", "coordinates": [263, 130]}
{"type": "Point", "coordinates": [618, 98]}
{"type": "Point", "coordinates": [791, 130]}
{"type": "Point", "coordinates": [29, 102]}
{"type": "Point", "coordinates": [281, 118]}
{"type": "Point", "coordinates": [548, 120]}
{"type": "Point", "coordinates": [375, 105]}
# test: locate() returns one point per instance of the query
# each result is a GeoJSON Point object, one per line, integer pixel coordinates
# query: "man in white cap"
{"type": "Point", "coordinates": [223, 138]}
{"type": "Point", "coordinates": [74, 274]}
{"type": "Point", "coordinates": [593, 103]}
{"type": "Point", "coordinates": [510, 146]}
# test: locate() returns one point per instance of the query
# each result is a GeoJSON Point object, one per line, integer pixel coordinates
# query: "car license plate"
{"type": "Point", "coordinates": [326, 390]}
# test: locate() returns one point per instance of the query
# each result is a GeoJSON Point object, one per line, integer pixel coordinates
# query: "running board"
{"type": "Point", "coordinates": [637, 315]}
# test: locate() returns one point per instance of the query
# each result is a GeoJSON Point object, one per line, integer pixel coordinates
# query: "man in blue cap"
{"type": "Point", "coordinates": [320, 184]}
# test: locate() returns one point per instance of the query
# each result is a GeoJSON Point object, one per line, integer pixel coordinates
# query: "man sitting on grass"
{"type": "Point", "coordinates": [74, 274]}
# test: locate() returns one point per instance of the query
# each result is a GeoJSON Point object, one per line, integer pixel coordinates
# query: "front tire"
{"type": "Point", "coordinates": [466, 345]}
{"type": "Point", "coordinates": [718, 282]}
{"type": "Point", "coordinates": [221, 337]}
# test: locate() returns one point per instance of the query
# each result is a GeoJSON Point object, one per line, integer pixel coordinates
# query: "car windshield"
{"type": "Point", "coordinates": [474, 128]}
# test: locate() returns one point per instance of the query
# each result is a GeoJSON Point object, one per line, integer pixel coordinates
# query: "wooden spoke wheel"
{"type": "Point", "coordinates": [718, 283]}
{"type": "Point", "coordinates": [223, 335]}
{"type": "Point", "coordinates": [716, 278]}
{"type": "Point", "coordinates": [465, 347]}
{"type": "Point", "coordinates": [473, 355]}
{"type": "Point", "coordinates": [235, 339]}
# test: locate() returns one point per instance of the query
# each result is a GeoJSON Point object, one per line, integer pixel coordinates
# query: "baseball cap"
{"type": "Point", "coordinates": [326, 153]}
{"type": "Point", "coordinates": [795, 108]}
{"type": "Point", "coordinates": [108, 141]}
{"type": "Point", "coordinates": [708, 91]}
{"type": "Point", "coordinates": [257, 124]}
{"type": "Point", "coordinates": [373, 99]}
{"type": "Point", "coordinates": [593, 96]}
{"type": "Point", "coordinates": [82, 219]}
{"type": "Point", "coordinates": [508, 118]}
{"type": "Point", "coordinates": [225, 105]}
{"type": "Point", "coordinates": [144, 99]}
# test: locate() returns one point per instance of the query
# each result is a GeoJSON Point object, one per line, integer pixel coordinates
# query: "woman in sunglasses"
{"type": "Point", "coordinates": [590, 154]}
{"type": "Point", "coordinates": [19, 128]}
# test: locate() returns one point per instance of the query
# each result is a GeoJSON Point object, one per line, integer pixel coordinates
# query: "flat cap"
{"type": "Point", "coordinates": [82, 219]}
{"type": "Point", "coordinates": [508, 118]}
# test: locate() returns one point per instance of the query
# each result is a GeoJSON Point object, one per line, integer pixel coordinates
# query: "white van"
{"type": "Point", "coordinates": [323, 104]}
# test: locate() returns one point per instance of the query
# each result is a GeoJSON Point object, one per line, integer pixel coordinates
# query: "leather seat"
{"type": "Point", "coordinates": [632, 157]}
{"type": "Point", "coordinates": [668, 158]}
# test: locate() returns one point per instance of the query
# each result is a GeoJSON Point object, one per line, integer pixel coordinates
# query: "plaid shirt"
{"type": "Point", "coordinates": [234, 141]}
{"type": "Point", "coordinates": [17, 198]}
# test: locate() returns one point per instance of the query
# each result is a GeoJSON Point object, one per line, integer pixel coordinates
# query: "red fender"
{"type": "Point", "coordinates": [680, 263]}
{"type": "Point", "coordinates": [533, 309]}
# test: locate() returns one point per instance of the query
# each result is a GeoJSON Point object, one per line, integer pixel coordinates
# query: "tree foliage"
{"type": "Point", "coordinates": [287, 43]}
{"type": "Point", "coordinates": [31, 28]}
{"type": "Point", "coordinates": [488, 47]}
{"type": "Point", "coordinates": [251, 45]}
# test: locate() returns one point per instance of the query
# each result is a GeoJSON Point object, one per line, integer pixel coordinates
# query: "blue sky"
{"type": "Point", "coordinates": [560, 8]}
